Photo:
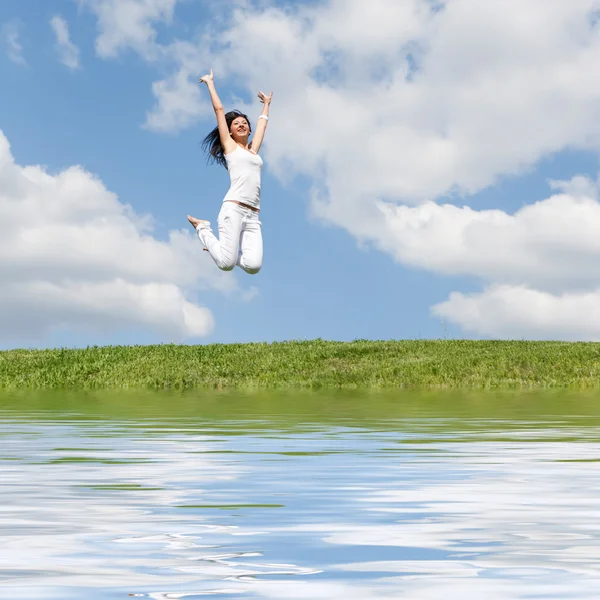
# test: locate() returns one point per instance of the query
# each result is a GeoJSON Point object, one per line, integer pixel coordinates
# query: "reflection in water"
{"type": "Point", "coordinates": [421, 504]}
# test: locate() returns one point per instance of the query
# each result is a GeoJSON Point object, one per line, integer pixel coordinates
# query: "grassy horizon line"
{"type": "Point", "coordinates": [308, 364]}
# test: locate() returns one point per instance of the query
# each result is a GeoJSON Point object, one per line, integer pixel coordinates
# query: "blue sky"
{"type": "Point", "coordinates": [367, 141]}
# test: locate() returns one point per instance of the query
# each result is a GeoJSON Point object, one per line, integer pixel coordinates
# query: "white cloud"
{"type": "Point", "coordinates": [387, 106]}
{"type": "Point", "coordinates": [553, 244]}
{"type": "Point", "coordinates": [130, 25]}
{"type": "Point", "coordinates": [497, 87]}
{"type": "Point", "coordinates": [126, 24]}
{"type": "Point", "coordinates": [539, 265]}
{"type": "Point", "coordinates": [509, 312]}
{"type": "Point", "coordinates": [68, 52]}
{"type": "Point", "coordinates": [179, 104]}
{"type": "Point", "coordinates": [9, 35]}
{"type": "Point", "coordinates": [73, 256]}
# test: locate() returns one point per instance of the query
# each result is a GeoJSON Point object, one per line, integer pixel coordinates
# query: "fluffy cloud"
{"type": "Point", "coordinates": [553, 244]}
{"type": "Point", "coordinates": [388, 107]}
{"type": "Point", "coordinates": [179, 104]}
{"type": "Point", "coordinates": [465, 94]}
{"type": "Point", "coordinates": [131, 25]}
{"type": "Point", "coordinates": [539, 265]}
{"type": "Point", "coordinates": [126, 24]}
{"type": "Point", "coordinates": [73, 256]}
{"type": "Point", "coordinates": [436, 98]}
{"type": "Point", "coordinates": [509, 312]}
{"type": "Point", "coordinates": [68, 52]}
{"type": "Point", "coordinates": [9, 36]}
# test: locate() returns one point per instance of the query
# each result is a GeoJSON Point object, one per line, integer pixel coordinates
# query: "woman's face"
{"type": "Point", "coordinates": [240, 130]}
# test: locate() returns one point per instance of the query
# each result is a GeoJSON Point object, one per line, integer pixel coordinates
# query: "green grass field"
{"type": "Point", "coordinates": [308, 364]}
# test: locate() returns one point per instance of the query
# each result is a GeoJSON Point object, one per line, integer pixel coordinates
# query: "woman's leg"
{"type": "Point", "coordinates": [224, 250]}
{"type": "Point", "coordinates": [251, 244]}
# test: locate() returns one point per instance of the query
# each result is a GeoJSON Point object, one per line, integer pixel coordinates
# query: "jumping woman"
{"type": "Point", "coordinates": [240, 237]}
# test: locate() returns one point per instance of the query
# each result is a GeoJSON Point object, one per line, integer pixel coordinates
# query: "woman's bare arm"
{"type": "Point", "coordinates": [261, 126]}
{"type": "Point", "coordinates": [226, 139]}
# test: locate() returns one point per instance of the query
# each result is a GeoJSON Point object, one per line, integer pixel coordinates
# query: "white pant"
{"type": "Point", "coordinates": [240, 239]}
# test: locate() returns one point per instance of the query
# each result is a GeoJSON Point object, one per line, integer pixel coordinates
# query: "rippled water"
{"type": "Point", "coordinates": [308, 496]}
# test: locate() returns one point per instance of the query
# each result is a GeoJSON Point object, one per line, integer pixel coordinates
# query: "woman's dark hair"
{"type": "Point", "coordinates": [212, 142]}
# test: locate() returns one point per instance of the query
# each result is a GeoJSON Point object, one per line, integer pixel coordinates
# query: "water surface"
{"type": "Point", "coordinates": [300, 495]}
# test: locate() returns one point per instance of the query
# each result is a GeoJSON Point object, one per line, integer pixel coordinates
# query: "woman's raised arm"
{"type": "Point", "coordinates": [226, 139]}
{"type": "Point", "coordinates": [261, 126]}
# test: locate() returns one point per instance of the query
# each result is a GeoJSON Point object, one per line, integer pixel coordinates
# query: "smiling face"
{"type": "Point", "coordinates": [240, 129]}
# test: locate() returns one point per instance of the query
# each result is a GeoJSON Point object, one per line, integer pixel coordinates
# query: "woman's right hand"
{"type": "Point", "coordinates": [206, 78]}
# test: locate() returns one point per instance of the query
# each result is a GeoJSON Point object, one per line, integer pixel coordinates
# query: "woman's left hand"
{"type": "Point", "coordinates": [264, 98]}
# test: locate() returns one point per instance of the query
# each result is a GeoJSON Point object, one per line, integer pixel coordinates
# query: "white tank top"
{"type": "Point", "coordinates": [244, 173]}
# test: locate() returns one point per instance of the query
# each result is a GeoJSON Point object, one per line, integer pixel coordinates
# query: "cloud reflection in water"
{"type": "Point", "coordinates": [173, 512]}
